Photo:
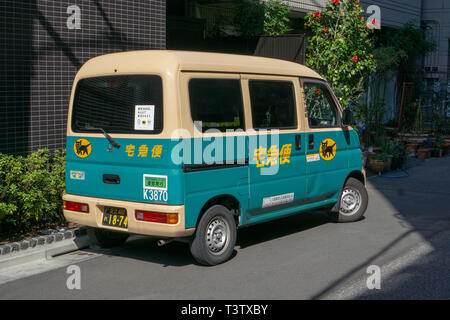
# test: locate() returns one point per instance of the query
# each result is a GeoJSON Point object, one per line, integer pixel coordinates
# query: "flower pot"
{"type": "Point", "coordinates": [412, 147]}
{"type": "Point", "coordinates": [446, 148]}
{"type": "Point", "coordinates": [377, 150]}
{"type": "Point", "coordinates": [437, 153]}
{"type": "Point", "coordinates": [397, 163]}
{"type": "Point", "coordinates": [376, 166]}
{"type": "Point", "coordinates": [388, 163]}
{"type": "Point", "coordinates": [423, 153]}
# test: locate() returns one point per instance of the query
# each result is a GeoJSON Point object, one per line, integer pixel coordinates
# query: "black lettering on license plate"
{"type": "Point", "coordinates": [115, 217]}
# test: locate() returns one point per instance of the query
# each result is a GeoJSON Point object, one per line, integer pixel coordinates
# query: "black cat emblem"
{"type": "Point", "coordinates": [82, 148]}
{"type": "Point", "coordinates": [328, 149]}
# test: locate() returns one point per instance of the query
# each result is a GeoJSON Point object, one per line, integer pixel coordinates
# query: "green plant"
{"type": "Point", "coordinates": [418, 122]}
{"type": "Point", "coordinates": [341, 48]}
{"type": "Point", "coordinates": [276, 18]}
{"type": "Point", "coordinates": [31, 188]}
{"type": "Point", "coordinates": [379, 156]}
{"type": "Point", "coordinates": [440, 142]}
{"type": "Point", "coordinates": [388, 147]}
{"type": "Point", "coordinates": [255, 18]}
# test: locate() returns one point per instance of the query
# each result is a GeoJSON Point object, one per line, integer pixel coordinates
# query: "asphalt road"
{"type": "Point", "coordinates": [406, 232]}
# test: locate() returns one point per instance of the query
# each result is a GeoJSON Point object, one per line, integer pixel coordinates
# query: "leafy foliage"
{"type": "Point", "coordinates": [403, 44]}
{"type": "Point", "coordinates": [31, 188]}
{"type": "Point", "coordinates": [255, 18]}
{"type": "Point", "coordinates": [276, 18]}
{"type": "Point", "coordinates": [341, 48]}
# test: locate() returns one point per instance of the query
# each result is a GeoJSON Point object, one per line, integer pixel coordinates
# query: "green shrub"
{"type": "Point", "coordinates": [31, 188]}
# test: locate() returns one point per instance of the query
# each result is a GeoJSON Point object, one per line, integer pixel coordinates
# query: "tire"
{"type": "Point", "coordinates": [353, 202]}
{"type": "Point", "coordinates": [217, 222]}
{"type": "Point", "coordinates": [107, 238]}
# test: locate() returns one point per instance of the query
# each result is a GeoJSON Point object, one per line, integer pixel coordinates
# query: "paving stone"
{"type": "Point", "coordinates": [49, 239]}
{"type": "Point", "coordinates": [32, 242]}
{"type": "Point", "coordinates": [68, 234]}
{"type": "Point", "coordinates": [5, 249]}
{"type": "Point", "coordinates": [40, 241]}
{"type": "Point", "coordinates": [59, 236]}
{"type": "Point", "coordinates": [24, 245]}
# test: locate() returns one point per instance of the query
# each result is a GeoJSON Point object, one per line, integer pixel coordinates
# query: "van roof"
{"type": "Point", "coordinates": [167, 60]}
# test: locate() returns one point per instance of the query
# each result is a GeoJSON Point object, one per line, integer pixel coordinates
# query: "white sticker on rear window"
{"type": "Point", "coordinates": [144, 117]}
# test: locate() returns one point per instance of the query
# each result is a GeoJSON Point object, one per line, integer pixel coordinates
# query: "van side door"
{"type": "Point", "coordinates": [277, 168]}
{"type": "Point", "coordinates": [327, 143]}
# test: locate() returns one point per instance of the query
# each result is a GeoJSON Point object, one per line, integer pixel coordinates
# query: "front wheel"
{"type": "Point", "coordinates": [353, 201]}
{"type": "Point", "coordinates": [215, 237]}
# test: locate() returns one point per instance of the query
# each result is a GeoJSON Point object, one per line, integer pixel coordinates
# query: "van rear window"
{"type": "Point", "coordinates": [118, 104]}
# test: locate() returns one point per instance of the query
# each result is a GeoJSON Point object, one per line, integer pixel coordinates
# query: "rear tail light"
{"type": "Point", "coordinates": [170, 218]}
{"type": "Point", "coordinates": [76, 206]}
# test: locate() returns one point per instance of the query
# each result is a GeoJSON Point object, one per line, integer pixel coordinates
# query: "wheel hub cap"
{"type": "Point", "coordinates": [217, 236]}
{"type": "Point", "coordinates": [350, 201]}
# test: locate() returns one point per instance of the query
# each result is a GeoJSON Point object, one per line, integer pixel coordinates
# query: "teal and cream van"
{"type": "Point", "coordinates": [191, 146]}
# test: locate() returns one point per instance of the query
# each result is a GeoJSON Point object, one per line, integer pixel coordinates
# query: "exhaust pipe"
{"type": "Point", "coordinates": [164, 242]}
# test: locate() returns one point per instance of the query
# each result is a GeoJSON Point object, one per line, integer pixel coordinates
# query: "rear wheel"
{"type": "Point", "coordinates": [353, 201]}
{"type": "Point", "coordinates": [215, 237]}
{"type": "Point", "coordinates": [107, 238]}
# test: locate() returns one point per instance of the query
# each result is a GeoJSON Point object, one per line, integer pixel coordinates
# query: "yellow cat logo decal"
{"type": "Point", "coordinates": [82, 148]}
{"type": "Point", "coordinates": [328, 149]}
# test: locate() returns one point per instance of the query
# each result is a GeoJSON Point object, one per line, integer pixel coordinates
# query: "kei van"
{"type": "Point", "coordinates": [191, 146]}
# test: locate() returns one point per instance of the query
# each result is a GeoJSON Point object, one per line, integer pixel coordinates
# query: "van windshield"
{"type": "Point", "coordinates": [118, 104]}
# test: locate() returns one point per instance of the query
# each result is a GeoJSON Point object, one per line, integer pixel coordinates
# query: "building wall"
{"type": "Point", "coordinates": [306, 5]}
{"type": "Point", "coordinates": [436, 17]}
{"type": "Point", "coordinates": [394, 13]}
{"type": "Point", "coordinates": [40, 56]}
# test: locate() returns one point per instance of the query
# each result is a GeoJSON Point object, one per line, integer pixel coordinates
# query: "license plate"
{"type": "Point", "coordinates": [115, 217]}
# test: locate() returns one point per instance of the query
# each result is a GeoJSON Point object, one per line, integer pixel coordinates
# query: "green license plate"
{"type": "Point", "coordinates": [115, 217]}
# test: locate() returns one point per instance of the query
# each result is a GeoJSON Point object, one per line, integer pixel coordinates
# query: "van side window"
{"type": "Point", "coordinates": [217, 103]}
{"type": "Point", "coordinates": [322, 112]}
{"type": "Point", "coordinates": [273, 104]}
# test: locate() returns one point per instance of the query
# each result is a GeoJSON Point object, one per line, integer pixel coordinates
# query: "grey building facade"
{"type": "Point", "coordinates": [434, 16]}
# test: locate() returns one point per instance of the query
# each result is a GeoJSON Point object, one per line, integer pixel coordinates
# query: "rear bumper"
{"type": "Point", "coordinates": [96, 209]}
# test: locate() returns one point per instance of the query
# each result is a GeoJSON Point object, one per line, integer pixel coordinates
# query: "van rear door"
{"type": "Point", "coordinates": [128, 108]}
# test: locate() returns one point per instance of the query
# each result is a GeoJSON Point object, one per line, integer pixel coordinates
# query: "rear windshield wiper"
{"type": "Point", "coordinates": [107, 136]}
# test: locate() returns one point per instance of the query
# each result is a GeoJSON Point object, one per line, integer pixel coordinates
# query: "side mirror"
{"type": "Point", "coordinates": [347, 117]}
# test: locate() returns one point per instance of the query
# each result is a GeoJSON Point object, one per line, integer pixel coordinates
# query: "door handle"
{"type": "Point", "coordinates": [311, 141]}
{"type": "Point", "coordinates": [298, 142]}
{"type": "Point", "coordinates": [111, 179]}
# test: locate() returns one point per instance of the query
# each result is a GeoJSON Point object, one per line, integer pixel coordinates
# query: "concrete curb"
{"type": "Point", "coordinates": [43, 247]}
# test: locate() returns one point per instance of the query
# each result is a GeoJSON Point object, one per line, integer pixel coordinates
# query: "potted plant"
{"type": "Point", "coordinates": [388, 150]}
{"type": "Point", "coordinates": [423, 152]}
{"type": "Point", "coordinates": [400, 154]}
{"type": "Point", "coordinates": [377, 162]}
{"type": "Point", "coordinates": [412, 148]}
{"type": "Point", "coordinates": [439, 146]}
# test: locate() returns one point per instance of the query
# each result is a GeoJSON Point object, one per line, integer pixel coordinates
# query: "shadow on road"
{"type": "Point", "coordinates": [421, 205]}
{"type": "Point", "coordinates": [178, 254]}
{"type": "Point", "coordinates": [418, 206]}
